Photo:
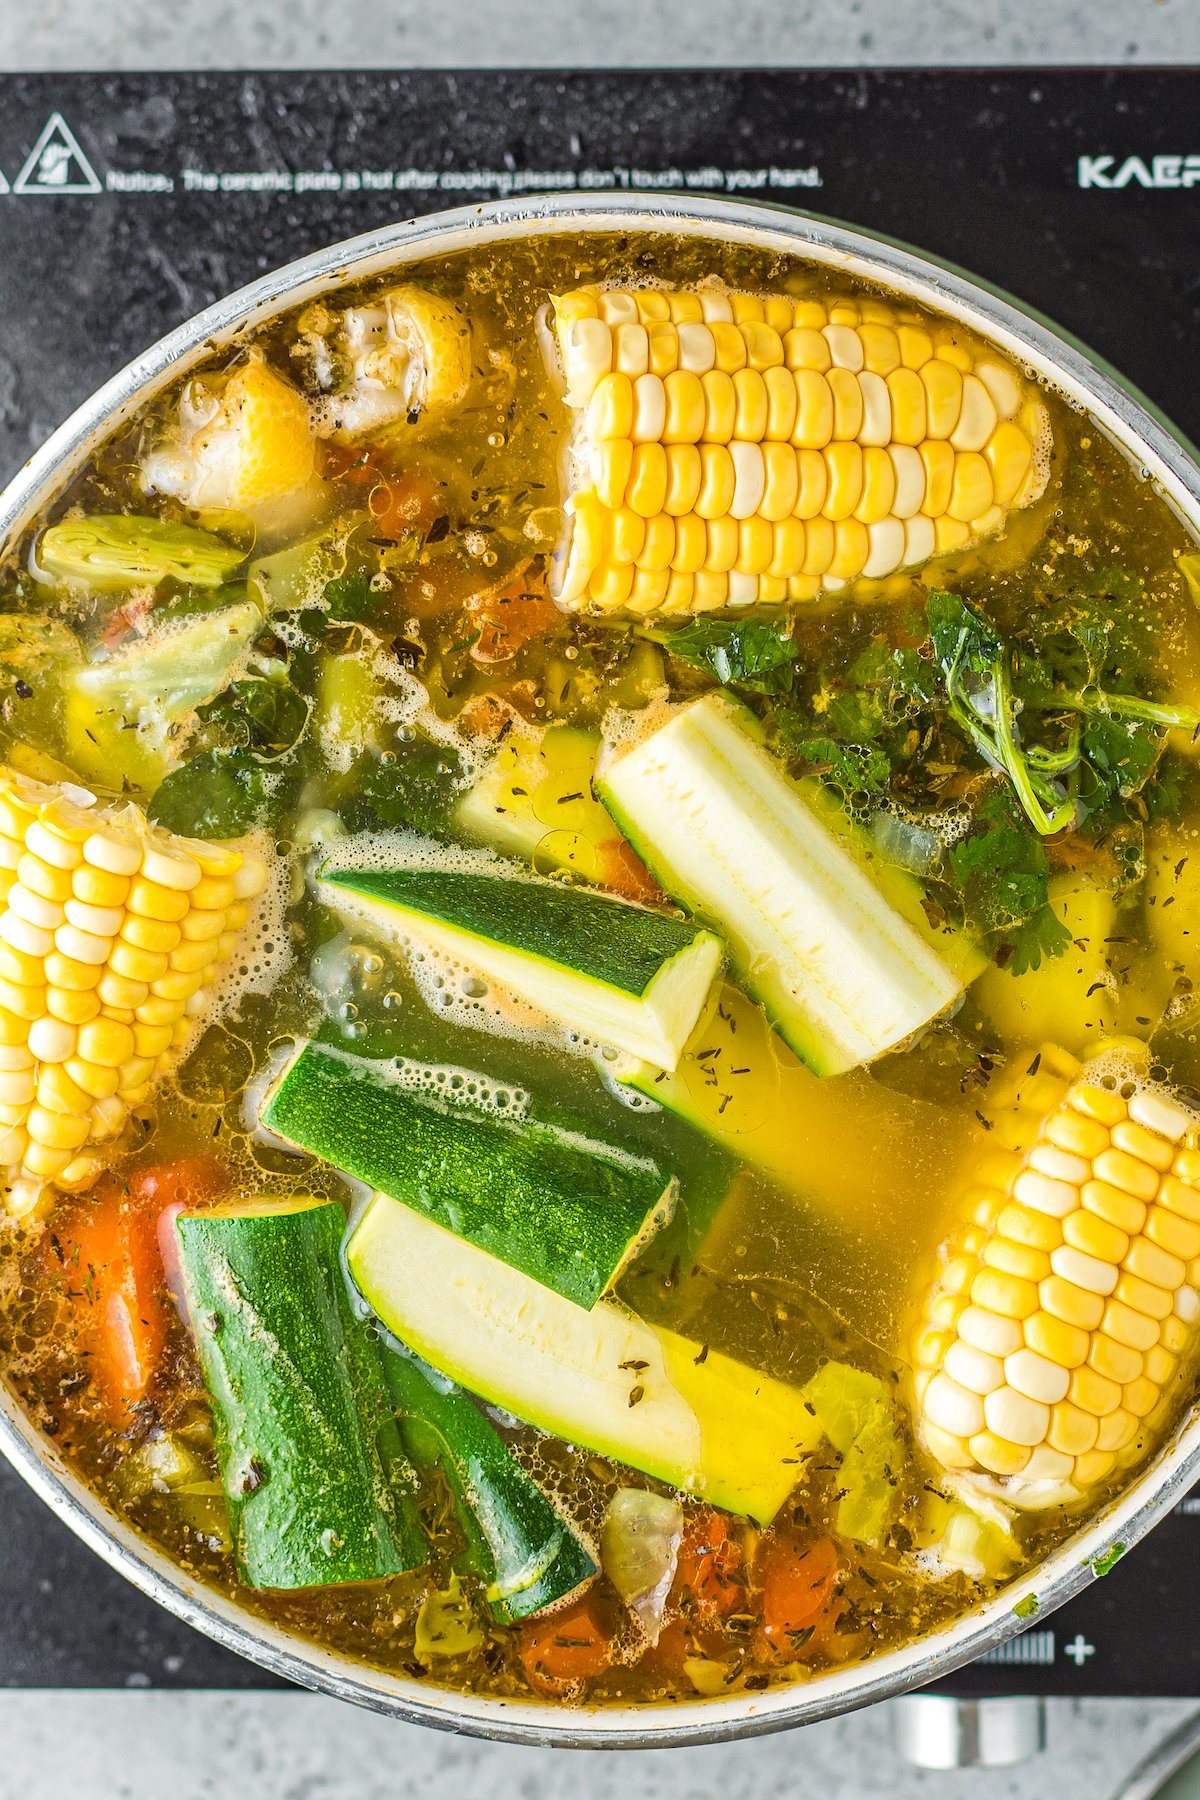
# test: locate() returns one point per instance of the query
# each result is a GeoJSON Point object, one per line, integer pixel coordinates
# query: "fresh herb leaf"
{"type": "Point", "coordinates": [1002, 872]}
{"type": "Point", "coordinates": [266, 716]}
{"type": "Point", "coordinates": [218, 794]}
{"type": "Point", "coordinates": [350, 599]}
{"type": "Point", "coordinates": [1118, 757]}
{"type": "Point", "coordinates": [759, 655]}
{"type": "Point", "coordinates": [416, 789]}
{"type": "Point", "coordinates": [857, 771]}
{"type": "Point", "coordinates": [975, 666]}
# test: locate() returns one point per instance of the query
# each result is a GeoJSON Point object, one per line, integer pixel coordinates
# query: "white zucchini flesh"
{"type": "Point", "coordinates": [603, 1378]}
{"type": "Point", "coordinates": [842, 976]}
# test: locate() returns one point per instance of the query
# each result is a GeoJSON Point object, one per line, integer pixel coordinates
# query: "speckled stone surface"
{"type": "Point", "coordinates": [282, 1746]}
{"type": "Point", "coordinates": [261, 34]}
{"type": "Point", "coordinates": [297, 1747]}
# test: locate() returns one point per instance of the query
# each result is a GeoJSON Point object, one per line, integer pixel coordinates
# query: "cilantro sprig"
{"type": "Point", "coordinates": [1108, 742]}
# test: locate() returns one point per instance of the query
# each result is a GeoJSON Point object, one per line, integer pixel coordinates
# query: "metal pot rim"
{"type": "Point", "coordinates": [1164, 458]}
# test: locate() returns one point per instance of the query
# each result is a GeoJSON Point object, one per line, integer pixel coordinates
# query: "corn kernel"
{"type": "Point", "coordinates": [998, 1455]}
{"type": "Point", "coordinates": [1119, 1362]}
{"type": "Point", "coordinates": [1066, 1345]}
{"type": "Point", "coordinates": [1094, 1393]}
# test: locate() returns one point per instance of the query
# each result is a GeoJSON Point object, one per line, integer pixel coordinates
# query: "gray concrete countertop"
{"type": "Point", "coordinates": [115, 1746]}
{"type": "Point", "coordinates": [225, 34]}
{"type": "Point", "coordinates": [299, 1747]}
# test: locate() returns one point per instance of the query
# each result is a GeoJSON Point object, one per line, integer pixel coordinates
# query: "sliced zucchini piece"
{"type": "Point", "coordinates": [565, 1209]}
{"type": "Point", "coordinates": [842, 975]}
{"type": "Point", "coordinates": [604, 1379]}
{"type": "Point", "coordinates": [316, 1483]}
{"type": "Point", "coordinates": [620, 973]}
{"type": "Point", "coordinates": [519, 1545]}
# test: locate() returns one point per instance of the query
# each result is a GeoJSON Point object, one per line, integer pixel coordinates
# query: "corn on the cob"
{"type": "Point", "coordinates": [1050, 1339]}
{"type": "Point", "coordinates": [112, 933]}
{"type": "Point", "coordinates": [731, 449]}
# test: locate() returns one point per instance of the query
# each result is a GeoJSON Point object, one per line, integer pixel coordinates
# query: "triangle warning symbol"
{"type": "Point", "coordinates": [4, 187]}
{"type": "Point", "coordinates": [56, 164]}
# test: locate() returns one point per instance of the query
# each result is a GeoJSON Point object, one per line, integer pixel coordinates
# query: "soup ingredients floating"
{"type": "Point", "coordinates": [112, 935]}
{"type": "Point", "coordinates": [731, 450]}
{"type": "Point", "coordinates": [656, 1401]}
{"type": "Point", "coordinates": [842, 976]}
{"type": "Point", "coordinates": [110, 1261]}
{"type": "Point", "coordinates": [568, 1211]}
{"type": "Point", "coordinates": [620, 973]}
{"type": "Point", "coordinates": [740, 1085]}
{"type": "Point", "coordinates": [245, 446]}
{"type": "Point", "coordinates": [408, 354]}
{"type": "Point", "coordinates": [1057, 1323]}
{"type": "Point", "coordinates": [1111, 743]}
{"type": "Point", "coordinates": [129, 715]}
{"type": "Point", "coordinates": [519, 1547]}
{"type": "Point", "coordinates": [316, 1483]}
{"type": "Point", "coordinates": [116, 551]}
{"type": "Point", "coordinates": [639, 1546]}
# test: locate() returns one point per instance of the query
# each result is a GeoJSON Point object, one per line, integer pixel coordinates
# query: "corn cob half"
{"type": "Point", "coordinates": [1050, 1339]}
{"type": "Point", "coordinates": [731, 449]}
{"type": "Point", "coordinates": [112, 933]}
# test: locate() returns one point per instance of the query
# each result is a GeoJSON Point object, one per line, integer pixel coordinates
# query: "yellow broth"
{"type": "Point", "coordinates": [783, 1273]}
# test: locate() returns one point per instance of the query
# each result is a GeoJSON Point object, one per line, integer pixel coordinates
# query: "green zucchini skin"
{"type": "Point", "coordinates": [316, 1483]}
{"type": "Point", "coordinates": [566, 1210]}
{"type": "Point", "coordinates": [619, 973]}
{"type": "Point", "coordinates": [610, 940]}
{"type": "Point", "coordinates": [522, 1549]}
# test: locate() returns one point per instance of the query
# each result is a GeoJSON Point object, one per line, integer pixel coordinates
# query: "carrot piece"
{"type": "Point", "coordinates": [672, 1650]}
{"type": "Point", "coordinates": [110, 1250]}
{"type": "Point", "coordinates": [709, 1557]}
{"type": "Point", "coordinates": [508, 615]}
{"type": "Point", "coordinates": [400, 504]}
{"type": "Point", "coordinates": [799, 1580]}
{"type": "Point", "coordinates": [562, 1651]}
{"type": "Point", "coordinates": [622, 869]}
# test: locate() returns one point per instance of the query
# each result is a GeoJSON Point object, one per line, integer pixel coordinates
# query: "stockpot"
{"type": "Point", "coordinates": [1162, 456]}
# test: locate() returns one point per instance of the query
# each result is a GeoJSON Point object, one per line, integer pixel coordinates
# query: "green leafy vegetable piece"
{"type": "Point", "coordinates": [1106, 1562]}
{"type": "Point", "coordinates": [759, 655]}
{"type": "Point", "coordinates": [1026, 1607]}
{"type": "Point", "coordinates": [350, 599]}
{"type": "Point", "coordinates": [975, 666]}
{"type": "Point", "coordinates": [113, 551]}
{"type": "Point", "coordinates": [218, 794]}
{"type": "Point", "coordinates": [856, 770]}
{"type": "Point", "coordinates": [417, 788]}
{"type": "Point", "coordinates": [263, 714]}
{"type": "Point", "coordinates": [1003, 873]}
{"type": "Point", "coordinates": [856, 1414]}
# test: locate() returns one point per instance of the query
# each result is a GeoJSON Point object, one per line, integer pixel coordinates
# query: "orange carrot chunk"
{"type": "Point", "coordinates": [562, 1651]}
{"type": "Point", "coordinates": [799, 1579]}
{"type": "Point", "coordinates": [110, 1252]}
{"type": "Point", "coordinates": [709, 1557]}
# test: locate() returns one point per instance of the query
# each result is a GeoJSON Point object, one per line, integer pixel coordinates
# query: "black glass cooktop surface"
{"type": "Point", "coordinates": [129, 202]}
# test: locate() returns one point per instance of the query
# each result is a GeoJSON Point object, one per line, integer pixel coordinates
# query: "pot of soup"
{"type": "Point", "coordinates": [599, 1072]}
